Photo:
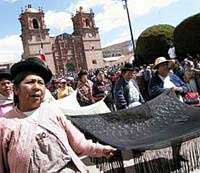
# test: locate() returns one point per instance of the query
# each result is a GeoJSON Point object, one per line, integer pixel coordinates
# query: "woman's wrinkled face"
{"type": "Point", "coordinates": [6, 87]}
{"type": "Point", "coordinates": [30, 92]}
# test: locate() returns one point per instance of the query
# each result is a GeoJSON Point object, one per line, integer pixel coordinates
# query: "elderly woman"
{"type": "Point", "coordinates": [35, 136]}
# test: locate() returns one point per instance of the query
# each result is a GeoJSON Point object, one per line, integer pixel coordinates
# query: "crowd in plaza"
{"type": "Point", "coordinates": [125, 85]}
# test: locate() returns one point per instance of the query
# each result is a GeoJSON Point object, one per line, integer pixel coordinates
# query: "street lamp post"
{"type": "Point", "coordinates": [129, 21]}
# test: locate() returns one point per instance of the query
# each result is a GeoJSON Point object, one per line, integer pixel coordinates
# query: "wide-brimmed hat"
{"type": "Point", "coordinates": [159, 61]}
{"type": "Point", "coordinates": [82, 72]}
{"type": "Point", "coordinates": [5, 74]}
{"type": "Point", "coordinates": [128, 67]}
{"type": "Point", "coordinates": [34, 65]}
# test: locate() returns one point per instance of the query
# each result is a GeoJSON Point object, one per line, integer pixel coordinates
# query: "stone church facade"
{"type": "Point", "coordinates": [79, 50]}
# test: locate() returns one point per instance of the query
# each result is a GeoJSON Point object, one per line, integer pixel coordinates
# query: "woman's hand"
{"type": "Point", "coordinates": [108, 151]}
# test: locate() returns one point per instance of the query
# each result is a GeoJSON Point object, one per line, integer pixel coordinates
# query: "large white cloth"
{"type": "Point", "coordinates": [70, 106]}
{"type": "Point", "coordinates": [68, 102]}
{"type": "Point", "coordinates": [48, 97]}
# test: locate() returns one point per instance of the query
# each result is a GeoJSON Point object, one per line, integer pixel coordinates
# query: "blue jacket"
{"type": "Point", "coordinates": [121, 93]}
{"type": "Point", "coordinates": [156, 85]}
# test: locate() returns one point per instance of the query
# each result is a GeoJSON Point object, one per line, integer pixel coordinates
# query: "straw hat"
{"type": "Point", "coordinates": [159, 61]}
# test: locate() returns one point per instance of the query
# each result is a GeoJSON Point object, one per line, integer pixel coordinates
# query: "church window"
{"type": "Point", "coordinates": [94, 61]}
{"type": "Point", "coordinates": [35, 24]}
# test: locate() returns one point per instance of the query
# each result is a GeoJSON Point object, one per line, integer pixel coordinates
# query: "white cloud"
{"type": "Point", "coordinates": [86, 4]}
{"type": "Point", "coordinates": [10, 49]}
{"type": "Point", "coordinates": [113, 15]}
{"type": "Point", "coordinates": [124, 36]}
{"type": "Point", "coordinates": [59, 20]}
{"type": "Point", "coordinates": [11, 1]}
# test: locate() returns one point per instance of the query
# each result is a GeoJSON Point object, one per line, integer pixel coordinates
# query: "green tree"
{"type": "Point", "coordinates": [187, 36]}
{"type": "Point", "coordinates": [154, 42]}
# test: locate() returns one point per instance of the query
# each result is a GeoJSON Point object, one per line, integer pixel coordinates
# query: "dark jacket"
{"type": "Point", "coordinates": [121, 93]}
{"type": "Point", "coordinates": [156, 85]}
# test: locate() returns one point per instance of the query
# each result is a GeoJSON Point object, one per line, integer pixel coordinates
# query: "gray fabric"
{"type": "Point", "coordinates": [159, 123]}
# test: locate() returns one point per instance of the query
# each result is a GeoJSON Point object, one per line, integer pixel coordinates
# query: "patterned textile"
{"type": "Point", "coordinates": [156, 124]}
{"type": "Point", "coordinates": [84, 94]}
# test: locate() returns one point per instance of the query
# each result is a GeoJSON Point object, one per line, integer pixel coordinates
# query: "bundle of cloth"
{"type": "Point", "coordinates": [70, 106]}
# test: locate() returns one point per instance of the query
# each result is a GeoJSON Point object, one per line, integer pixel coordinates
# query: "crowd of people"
{"type": "Point", "coordinates": [126, 86]}
{"type": "Point", "coordinates": [55, 139]}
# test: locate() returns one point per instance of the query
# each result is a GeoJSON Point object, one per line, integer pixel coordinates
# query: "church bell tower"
{"type": "Point", "coordinates": [84, 26]}
{"type": "Point", "coordinates": [35, 35]}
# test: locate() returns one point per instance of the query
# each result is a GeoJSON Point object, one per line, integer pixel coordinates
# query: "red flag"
{"type": "Point", "coordinates": [41, 55]}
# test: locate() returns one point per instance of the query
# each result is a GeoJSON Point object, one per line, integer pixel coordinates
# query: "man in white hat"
{"type": "Point", "coordinates": [163, 79]}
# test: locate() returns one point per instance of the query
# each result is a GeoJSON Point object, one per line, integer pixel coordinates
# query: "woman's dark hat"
{"type": "Point", "coordinates": [34, 65]}
{"type": "Point", "coordinates": [128, 67]}
{"type": "Point", "coordinates": [5, 74]}
{"type": "Point", "coordinates": [82, 72]}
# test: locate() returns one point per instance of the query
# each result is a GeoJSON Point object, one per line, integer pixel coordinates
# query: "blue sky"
{"type": "Point", "coordinates": [110, 18]}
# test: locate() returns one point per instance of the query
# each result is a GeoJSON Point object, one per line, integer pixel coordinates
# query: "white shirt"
{"type": "Point", "coordinates": [169, 84]}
